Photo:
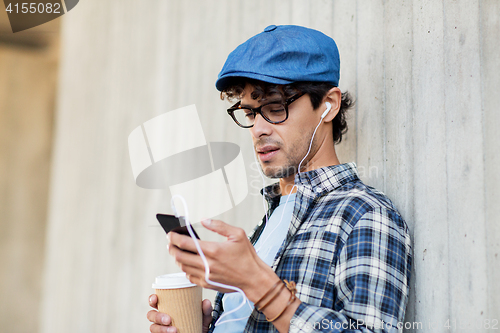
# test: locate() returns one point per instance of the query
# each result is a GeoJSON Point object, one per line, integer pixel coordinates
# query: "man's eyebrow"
{"type": "Point", "coordinates": [246, 106]}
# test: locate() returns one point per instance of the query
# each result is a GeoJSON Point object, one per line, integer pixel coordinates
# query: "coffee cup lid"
{"type": "Point", "coordinates": [172, 281]}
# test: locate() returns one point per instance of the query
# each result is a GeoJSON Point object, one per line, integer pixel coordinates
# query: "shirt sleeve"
{"type": "Point", "coordinates": [371, 280]}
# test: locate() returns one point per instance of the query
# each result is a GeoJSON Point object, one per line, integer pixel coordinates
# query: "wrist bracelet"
{"type": "Point", "coordinates": [292, 287]}
{"type": "Point", "coordinates": [267, 293]}
{"type": "Point", "coordinates": [280, 288]}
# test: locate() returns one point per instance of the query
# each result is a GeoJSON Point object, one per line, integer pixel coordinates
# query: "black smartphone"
{"type": "Point", "coordinates": [175, 224]}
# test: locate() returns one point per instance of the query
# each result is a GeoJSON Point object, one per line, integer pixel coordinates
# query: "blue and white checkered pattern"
{"type": "Point", "coordinates": [349, 252]}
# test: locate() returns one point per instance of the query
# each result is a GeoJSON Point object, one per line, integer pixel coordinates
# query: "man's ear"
{"type": "Point", "coordinates": [334, 97]}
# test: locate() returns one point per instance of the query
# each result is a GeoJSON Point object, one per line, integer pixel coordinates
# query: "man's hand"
{"type": "Point", "coordinates": [233, 262]}
{"type": "Point", "coordinates": [162, 322]}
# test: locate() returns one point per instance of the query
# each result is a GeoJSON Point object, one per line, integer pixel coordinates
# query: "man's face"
{"type": "Point", "coordinates": [281, 147]}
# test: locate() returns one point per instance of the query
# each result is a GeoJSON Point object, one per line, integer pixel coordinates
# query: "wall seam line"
{"type": "Point", "coordinates": [356, 113]}
{"type": "Point", "coordinates": [483, 126]}
{"type": "Point", "coordinates": [446, 160]}
{"type": "Point", "coordinates": [384, 110]}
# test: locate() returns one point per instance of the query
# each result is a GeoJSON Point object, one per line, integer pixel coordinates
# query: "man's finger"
{"type": "Point", "coordinates": [162, 329]}
{"type": "Point", "coordinates": [194, 272]}
{"type": "Point", "coordinates": [206, 306]}
{"type": "Point", "coordinates": [221, 228]}
{"type": "Point", "coordinates": [185, 258]}
{"type": "Point", "coordinates": [182, 241]}
{"type": "Point", "coordinates": [207, 314]}
{"type": "Point", "coordinates": [153, 301]}
{"type": "Point", "coordinates": [159, 318]}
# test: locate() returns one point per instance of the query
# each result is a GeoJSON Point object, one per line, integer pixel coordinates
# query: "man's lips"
{"type": "Point", "coordinates": [267, 152]}
{"type": "Point", "coordinates": [266, 148]}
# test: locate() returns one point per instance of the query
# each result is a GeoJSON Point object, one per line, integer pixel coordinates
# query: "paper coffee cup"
{"type": "Point", "coordinates": [181, 300]}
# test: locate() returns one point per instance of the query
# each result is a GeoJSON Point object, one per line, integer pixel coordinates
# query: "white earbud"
{"type": "Point", "coordinates": [328, 108]}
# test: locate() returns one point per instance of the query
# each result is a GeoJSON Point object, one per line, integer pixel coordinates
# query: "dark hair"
{"type": "Point", "coordinates": [315, 90]}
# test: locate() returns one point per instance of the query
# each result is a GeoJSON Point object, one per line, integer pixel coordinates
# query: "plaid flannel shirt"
{"type": "Point", "coordinates": [347, 249]}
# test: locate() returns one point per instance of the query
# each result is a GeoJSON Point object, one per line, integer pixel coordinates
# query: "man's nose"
{"type": "Point", "coordinates": [260, 126]}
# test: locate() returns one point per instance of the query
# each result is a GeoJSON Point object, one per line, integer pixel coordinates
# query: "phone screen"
{"type": "Point", "coordinates": [172, 223]}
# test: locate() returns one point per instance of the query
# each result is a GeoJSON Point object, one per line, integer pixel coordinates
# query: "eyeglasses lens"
{"type": "Point", "coordinates": [273, 113]}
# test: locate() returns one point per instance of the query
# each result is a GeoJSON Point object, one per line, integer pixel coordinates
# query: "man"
{"type": "Point", "coordinates": [341, 245]}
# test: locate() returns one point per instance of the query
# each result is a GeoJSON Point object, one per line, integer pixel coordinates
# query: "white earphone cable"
{"type": "Point", "coordinates": [263, 187]}
{"type": "Point", "coordinates": [205, 262]}
{"type": "Point", "coordinates": [288, 198]}
{"type": "Point", "coordinates": [245, 300]}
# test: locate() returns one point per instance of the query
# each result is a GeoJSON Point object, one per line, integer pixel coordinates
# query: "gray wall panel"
{"type": "Point", "coordinates": [490, 81]}
{"type": "Point", "coordinates": [430, 295]}
{"type": "Point", "coordinates": [424, 130]}
{"type": "Point", "coordinates": [465, 167]}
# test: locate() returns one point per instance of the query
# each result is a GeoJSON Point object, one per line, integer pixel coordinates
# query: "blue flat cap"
{"type": "Point", "coordinates": [281, 55]}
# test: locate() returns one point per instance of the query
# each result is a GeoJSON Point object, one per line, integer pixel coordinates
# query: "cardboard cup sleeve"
{"type": "Point", "coordinates": [181, 300]}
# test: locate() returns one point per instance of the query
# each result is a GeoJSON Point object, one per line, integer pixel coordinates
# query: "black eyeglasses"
{"type": "Point", "coordinates": [274, 112]}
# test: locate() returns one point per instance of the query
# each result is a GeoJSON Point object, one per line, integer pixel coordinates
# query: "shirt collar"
{"type": "Point", "coordinates": [319, 181]}
{"type": "Point", "coordinates": [328, 178]}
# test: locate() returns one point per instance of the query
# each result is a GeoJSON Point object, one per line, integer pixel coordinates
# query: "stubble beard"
{"type": "Point", "coordinates": [297, 151]}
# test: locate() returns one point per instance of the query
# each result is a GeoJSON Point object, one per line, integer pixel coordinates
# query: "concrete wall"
{"type": "Point", "coordinates": [424, 73]}
{"type": "Point", "coordinates": [28, 71]}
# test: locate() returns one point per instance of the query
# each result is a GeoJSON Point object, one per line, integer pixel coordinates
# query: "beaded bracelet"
{"type": "Point", "coordinates": [292, 287]}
